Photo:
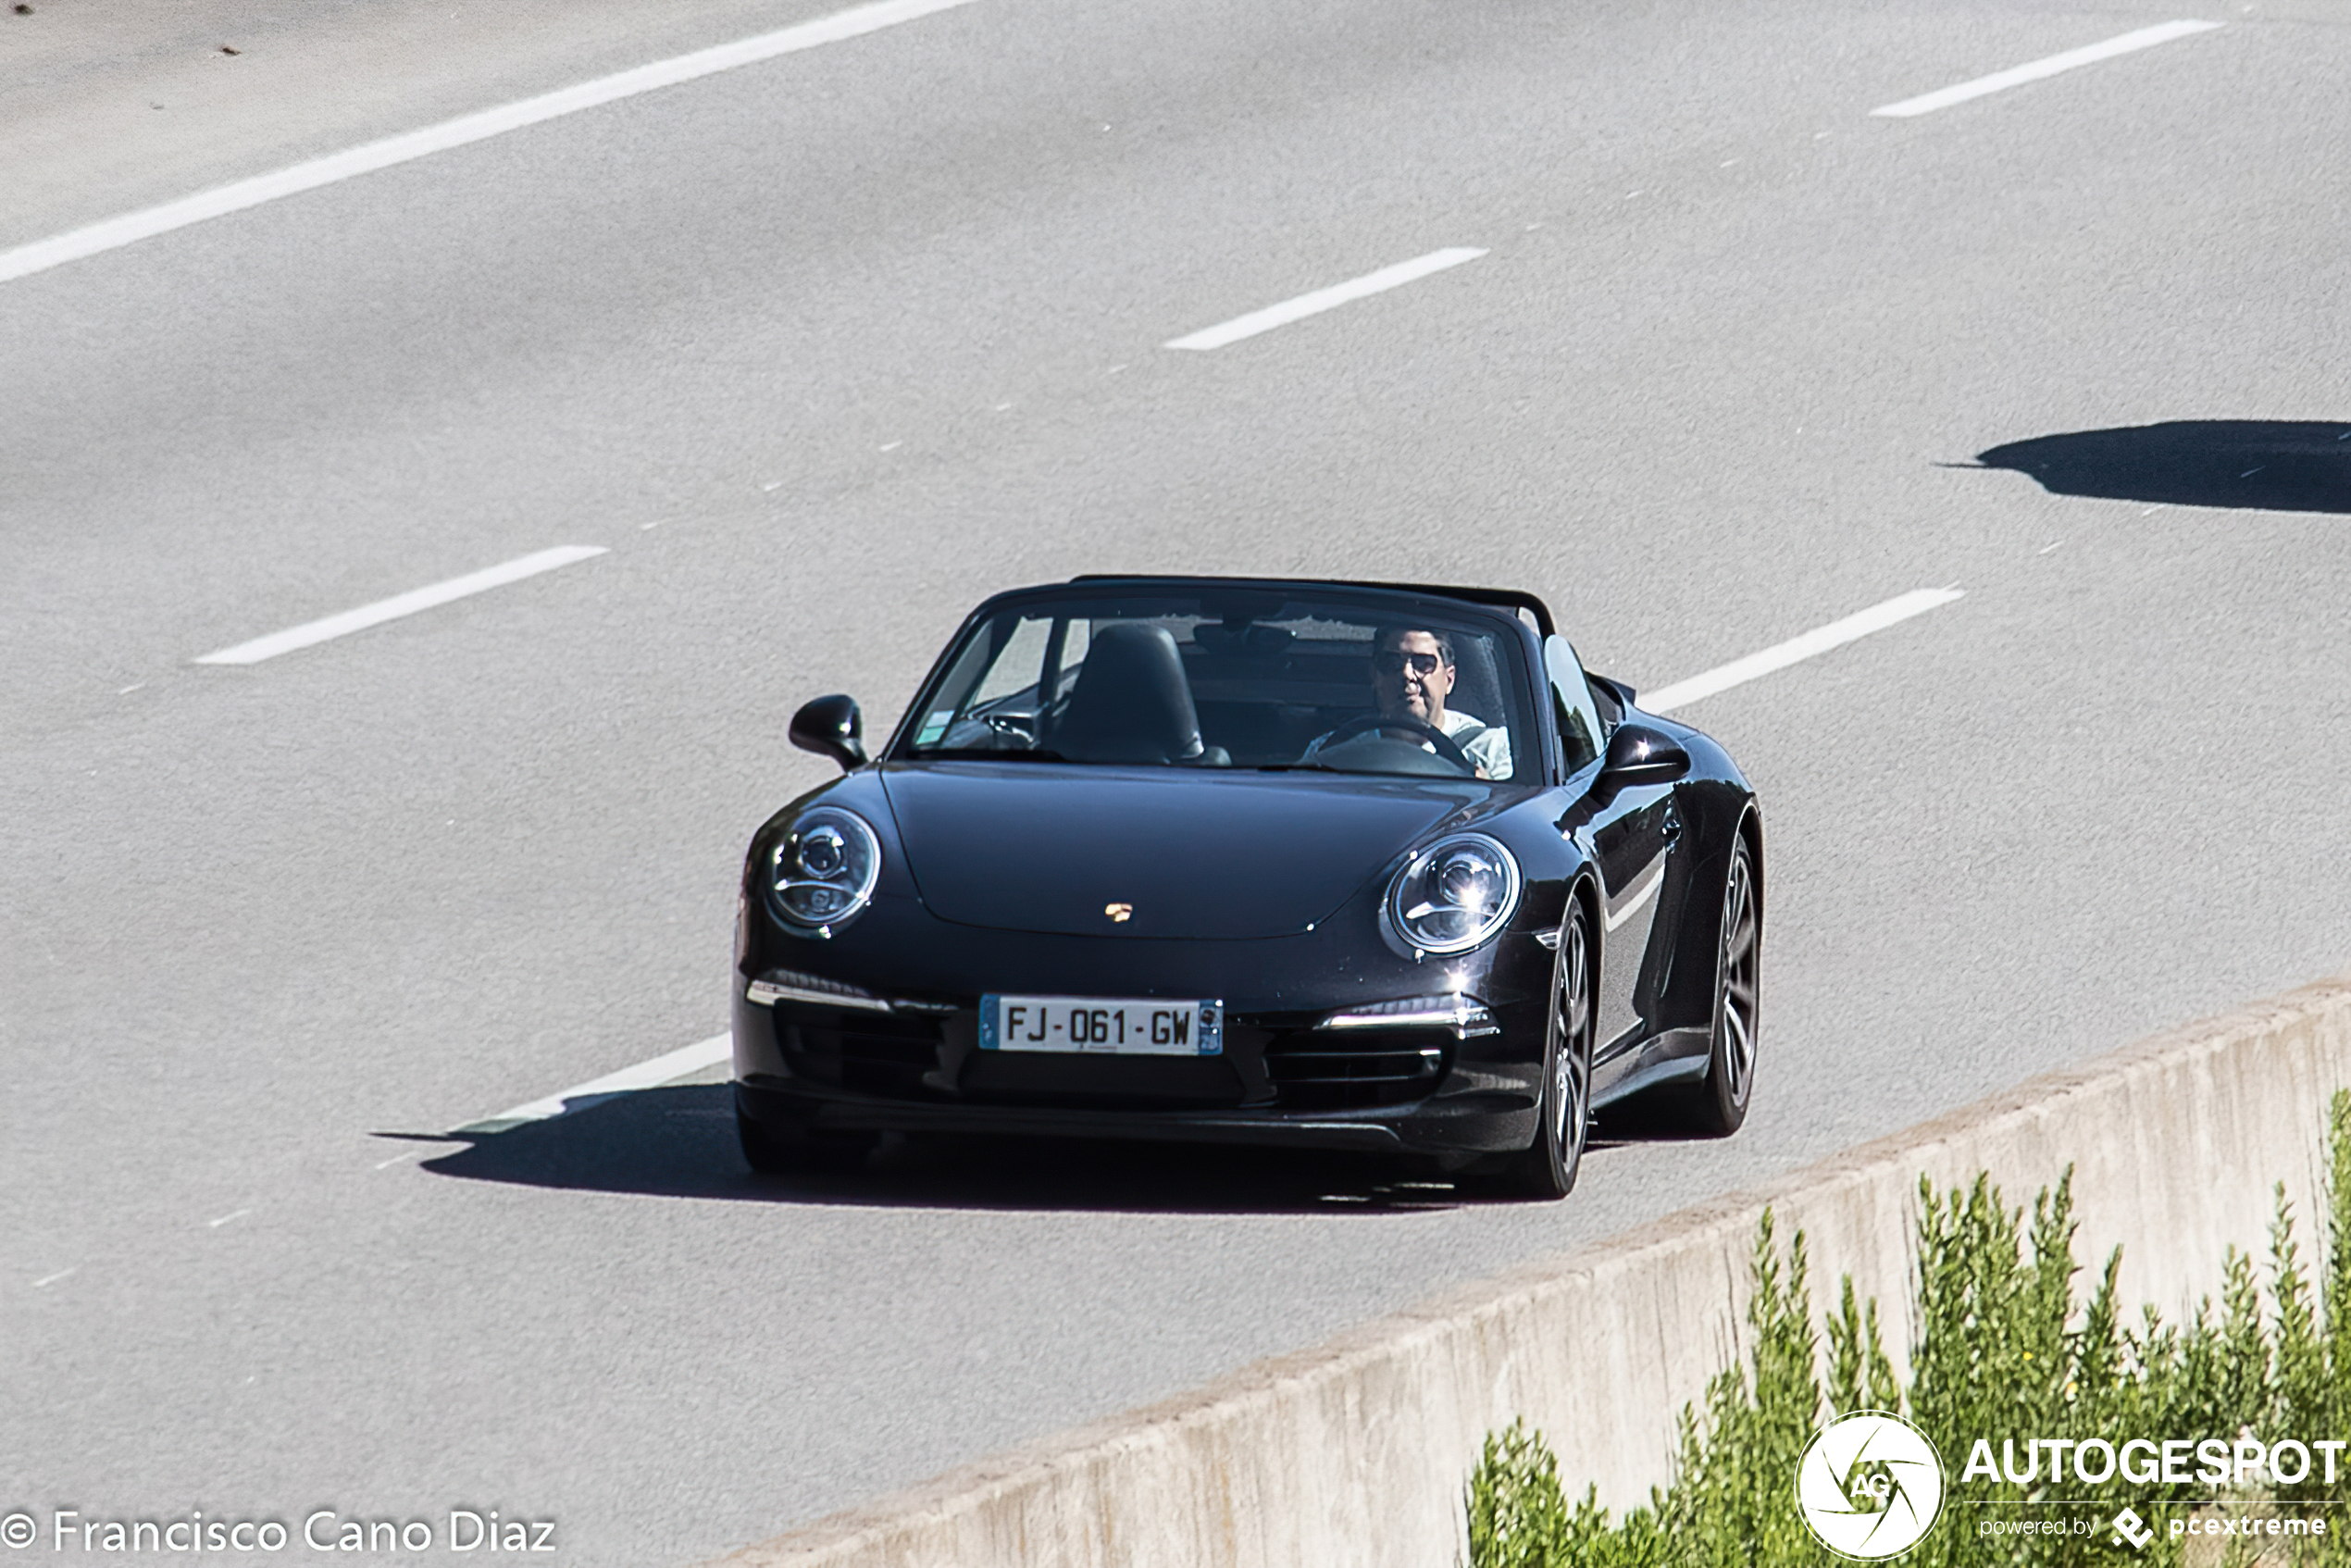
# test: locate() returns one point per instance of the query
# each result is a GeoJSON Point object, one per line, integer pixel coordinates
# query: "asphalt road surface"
{"type": "Point", "coordinates": [817, 352]}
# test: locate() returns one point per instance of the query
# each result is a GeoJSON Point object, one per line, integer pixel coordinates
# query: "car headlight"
{"type": "Point", "coordinates": [1455, 894]}
{"type": "Point", "coordinates": [821, 873]}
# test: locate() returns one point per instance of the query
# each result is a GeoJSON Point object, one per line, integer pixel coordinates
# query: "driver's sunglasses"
{"type": "Point", "coordinates": [1391, 661]}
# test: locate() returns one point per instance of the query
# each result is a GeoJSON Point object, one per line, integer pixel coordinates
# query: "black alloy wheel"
{"type": "Point", "coordinates": [1563, 1112]}
{"type": "Point", "coordinates": [775, 1151]}
{"type": "Point", "coordinates": [1722, 1097]}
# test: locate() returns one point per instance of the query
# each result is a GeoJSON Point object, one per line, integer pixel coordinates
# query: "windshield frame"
{"type": "Point", "coordinates": [1515, 642]}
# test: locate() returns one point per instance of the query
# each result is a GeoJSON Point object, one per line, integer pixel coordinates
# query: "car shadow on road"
{"type": "Point", "coordinates": [1656, 1116]}
{"type": "Point", "coordinates": [2264, 465]}
{"type": "Point", "coordinates": [679, 1142]}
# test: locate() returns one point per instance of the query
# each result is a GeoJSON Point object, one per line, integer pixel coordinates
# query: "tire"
{"type": "Point", "coordinates": [1720, 1103]}
{"type": "Point", "coordinates": [1547, 1168]}
{"type": "Point", "coordinates": [773, 1152]}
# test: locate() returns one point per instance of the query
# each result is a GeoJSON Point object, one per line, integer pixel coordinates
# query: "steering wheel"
{"type": "Point", "coordinates": [1444, 744]}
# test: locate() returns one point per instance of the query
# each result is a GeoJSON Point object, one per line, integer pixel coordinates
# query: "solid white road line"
{"type": "Point", "coordinates": [2144, 38]}
{"type": "Point", "coordinates": [1739, 672]}
{"type": "Point", "coordinates": [391, 609]}
{"type": "Point", "coordinates": [1298, 309]}
{"type": "Point", "coordinates": [132, 226]}
{"type": "Point", "coordinates": [644, 1075]}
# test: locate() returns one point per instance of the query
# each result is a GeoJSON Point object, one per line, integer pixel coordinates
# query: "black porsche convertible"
{"type": "Point", "coordinates": [1342, 865]}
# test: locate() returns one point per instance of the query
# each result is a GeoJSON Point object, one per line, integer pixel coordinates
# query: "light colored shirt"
{"type": "Point", "coordinates": [1488, 745]}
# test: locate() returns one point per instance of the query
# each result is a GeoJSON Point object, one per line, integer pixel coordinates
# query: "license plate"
{"type": "Point", "coordinates": [1105, 1026]}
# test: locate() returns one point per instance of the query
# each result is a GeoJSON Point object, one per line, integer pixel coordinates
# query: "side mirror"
{"type": "Point", "coordinates": [831, 726]}
{"type": "Point", "coordinates": [1638, 754]}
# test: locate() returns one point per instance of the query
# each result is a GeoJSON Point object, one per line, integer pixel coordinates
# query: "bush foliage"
{"type": "Point", "coordinates": [2004, 1349]}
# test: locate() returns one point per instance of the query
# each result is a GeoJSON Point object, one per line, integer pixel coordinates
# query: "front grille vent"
{"type": "Point", "coordinates": [1316, 1072]}
{"type": "Point", "coordinates": [874, 1056]}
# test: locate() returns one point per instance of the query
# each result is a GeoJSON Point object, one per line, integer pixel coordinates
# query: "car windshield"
{"type": "Point", "coordinates": [1256, 678]}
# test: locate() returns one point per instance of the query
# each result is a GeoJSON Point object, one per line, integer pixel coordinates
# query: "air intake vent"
{"type": "Point", "coordinates": [1316, 1072]}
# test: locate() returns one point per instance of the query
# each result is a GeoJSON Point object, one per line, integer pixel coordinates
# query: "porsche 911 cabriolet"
{"type": "Point", "coordinates": [1335, 865]}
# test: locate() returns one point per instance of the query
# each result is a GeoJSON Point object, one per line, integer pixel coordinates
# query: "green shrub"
{"type": "Point", "coordinates": [2004, 1349]}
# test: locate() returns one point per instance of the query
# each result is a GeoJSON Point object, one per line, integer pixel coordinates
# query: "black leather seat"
{"type": "Point", "coordinates": [1132, 702]}
{"type": "Point", "coordinates": [1477, 689]}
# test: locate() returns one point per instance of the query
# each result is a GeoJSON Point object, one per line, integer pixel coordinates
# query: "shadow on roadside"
{"type": "Point", "coordinates": [2265, 465]}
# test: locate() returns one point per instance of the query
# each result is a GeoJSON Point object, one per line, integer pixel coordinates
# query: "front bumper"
{"type": "Point", "coordinates": [915, 1065]}
{"type": "Point", "coordinates": [1276, 1082]}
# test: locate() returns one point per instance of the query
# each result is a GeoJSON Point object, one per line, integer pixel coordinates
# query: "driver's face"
{"type": "Point", "coordinates": [1410, 678]}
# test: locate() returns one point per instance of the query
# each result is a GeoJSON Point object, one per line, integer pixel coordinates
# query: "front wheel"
{"type": "Point", "coordinates": [1720, 1104]}
{"type": "Point", "coordinates": [1563, 1112]}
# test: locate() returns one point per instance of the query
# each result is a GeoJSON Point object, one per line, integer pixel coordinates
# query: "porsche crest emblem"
{"type": "Point", "coordinates": [1119, 913]}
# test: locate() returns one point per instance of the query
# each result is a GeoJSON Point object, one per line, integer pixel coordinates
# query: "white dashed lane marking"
{"type": "Point", "coordinates": [1321, 300]}
{"type": "Point", "coordinates": [679, 1064]}
{"type": "Point", "coordinates": [1739, 672]}
{"type": "Point", "coordinates": [392, 150]}
{"type": "Point", "coordinates": [392, 609]}
{"type": "Point", "coordinates": [2036, 70]}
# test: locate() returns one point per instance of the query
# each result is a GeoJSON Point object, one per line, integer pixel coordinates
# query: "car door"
{"type": "Point", "coordinates": [1630, 832]}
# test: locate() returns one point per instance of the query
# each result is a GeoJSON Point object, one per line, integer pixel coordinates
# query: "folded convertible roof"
{"type": "Point", "coordinates": [1497, 598]}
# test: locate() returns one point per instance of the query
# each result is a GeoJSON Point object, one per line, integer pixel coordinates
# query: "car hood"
{"type": "Point", "coordinates": [1035, 847]}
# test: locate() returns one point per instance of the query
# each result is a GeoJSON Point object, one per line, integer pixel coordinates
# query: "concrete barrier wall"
{"type": "Point", "coordinates": [1354, 1454]}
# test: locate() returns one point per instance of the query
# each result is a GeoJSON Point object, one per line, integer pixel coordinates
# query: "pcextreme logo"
{"type": "Point", "coordinates": [1869, 1486]}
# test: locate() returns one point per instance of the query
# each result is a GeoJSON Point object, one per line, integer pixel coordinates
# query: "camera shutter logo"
{"type": "Point", "coordinates": [1869, 1486]}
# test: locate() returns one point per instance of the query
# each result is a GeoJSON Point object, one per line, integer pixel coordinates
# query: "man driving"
{"type": "Point", "coordinates": [1412, 672]}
